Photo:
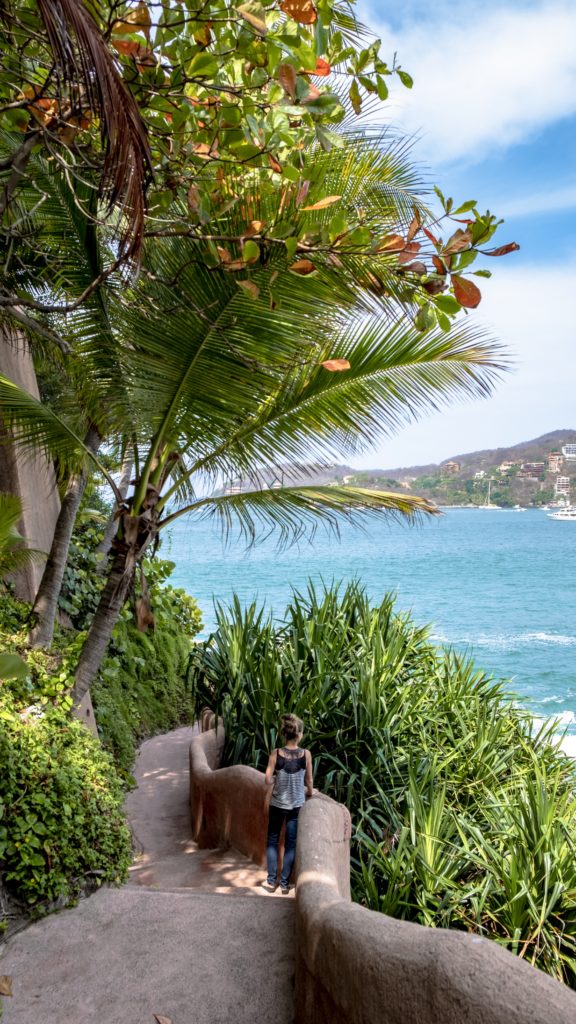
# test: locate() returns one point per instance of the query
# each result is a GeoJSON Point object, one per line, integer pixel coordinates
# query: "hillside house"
{"type": "Point", "coordinates": [569, 452]}
{"type": "Point", "coordinates": [555, 461]}
{"type": "Point", "coordinates": [562, 487]}
{"type": "Point", "coordinates": [531, 470]}
{"type": "Point", "coordinates": [450, 468]}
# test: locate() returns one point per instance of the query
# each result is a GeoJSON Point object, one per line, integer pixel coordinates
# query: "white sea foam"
{"type": "Point", "coordinates": [503, 641]}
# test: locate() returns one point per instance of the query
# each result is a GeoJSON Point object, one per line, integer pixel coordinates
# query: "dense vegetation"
{"type": "Point", "coordinates": [61, 790]}
{"type": "Point", "coordinates": [463, 818]}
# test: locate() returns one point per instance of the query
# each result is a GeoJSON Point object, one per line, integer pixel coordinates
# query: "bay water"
{"type": "Point", "coordinates": [498, 584]}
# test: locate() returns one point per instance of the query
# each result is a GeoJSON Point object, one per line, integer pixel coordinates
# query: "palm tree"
{"type": "Point", "coordinates": [230, 369]}
{"type": "Point", "coordinates": [74, 253]}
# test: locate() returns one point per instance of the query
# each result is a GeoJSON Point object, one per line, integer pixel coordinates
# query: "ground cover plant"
{"type": "Point", "coordinates": [464, 817]}
{"type": "Point", "coordinates": [62, 829]}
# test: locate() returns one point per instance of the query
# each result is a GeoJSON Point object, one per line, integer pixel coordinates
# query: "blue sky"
{"type": "Point", "coordinates": [494, 111]}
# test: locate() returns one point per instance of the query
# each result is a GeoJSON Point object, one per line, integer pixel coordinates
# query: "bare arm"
{"type": "Point", "coordinates": [270, 768]}
{"type": "Point", "coordinates": [309, 781]}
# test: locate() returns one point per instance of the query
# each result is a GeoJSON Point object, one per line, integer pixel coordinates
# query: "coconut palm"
{"type": "Point", "coordinates": [232, 368]}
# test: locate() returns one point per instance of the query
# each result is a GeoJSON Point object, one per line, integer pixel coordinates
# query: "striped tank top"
{"type": "Point", "coordinates": [290, 773]}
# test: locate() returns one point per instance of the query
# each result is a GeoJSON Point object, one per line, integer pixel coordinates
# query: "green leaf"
{"type": "Point", "coordinates": [447, 303]}
{"type": "Point", "coordinates": [405, 78]}
{"type": "Point", "coordinates": [354, 97]}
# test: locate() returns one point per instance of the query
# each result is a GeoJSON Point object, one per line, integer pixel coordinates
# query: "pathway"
{"type": "Point", "coordinates": [171, 942]}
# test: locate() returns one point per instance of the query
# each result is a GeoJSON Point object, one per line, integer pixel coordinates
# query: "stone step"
{"type": "Point", "coordinates": [124, 955]}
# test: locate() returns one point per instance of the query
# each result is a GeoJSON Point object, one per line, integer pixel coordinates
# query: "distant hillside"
{"type": "Point", "coordinates": [518, 475]}
{"type": "Point", "coordinates": [526, 451]}
{"type": "Point", "coordinates": [521, 474]}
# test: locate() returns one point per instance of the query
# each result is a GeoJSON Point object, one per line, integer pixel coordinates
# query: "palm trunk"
{"type": "Point", "coordinates": [105, 544]}
{"type": "Point", "coordinates": [106, 616]}
{"type": "Point", "coordinates": [46, 602]}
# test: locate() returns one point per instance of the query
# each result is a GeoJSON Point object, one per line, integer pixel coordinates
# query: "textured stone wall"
{"type": "Point", "coordinates": [30, 478]}
{"type": "Point", "coordinates": [354, 966]}
{"type": "Point", "coordinates": [230, 806]}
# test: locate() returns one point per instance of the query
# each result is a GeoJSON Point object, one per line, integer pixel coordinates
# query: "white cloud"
{"type": "Point", "coordinates": [488, 79]}
{"type": "Point", "coordinates": [527, 308]}
{"type": "Point", "coordinates": [539, 202]}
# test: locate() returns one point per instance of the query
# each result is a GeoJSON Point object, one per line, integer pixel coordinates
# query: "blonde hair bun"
{"type": "Point", "coordinates": [291, 727]}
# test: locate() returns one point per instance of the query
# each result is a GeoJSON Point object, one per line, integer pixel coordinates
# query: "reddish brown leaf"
{"type": "Point", "coordinates": [302, 11]}
{"type": "Point", "coordinates": [272, 161]}
{"type": "Point", "coordinates": [193, 199]}
{"type": "Point", "coordinates": [438, 265]}
{"type": "Point", "coordinates": [302, 192]}
{"type": "Point", "coordinates": [435, 287]}
{"type": "Point", "coordinates": [321, 70]}
{"type": "Point", "coordinates": [224, 255]}
{"type": "Point", "coordinates": [312, 94]}
{"type": "Point", "coordinates": [416, 268]}
{"type": "Point", "coordinates": [322, 203]}
{"type": "Point", "coordinates": [336, 365]}
{"type": "Point", "coordinates": [502, 250]}
{"type": "Point", "coordinates": [302, 267]}
{"type": "Point", "coordinates": [144, 616]}
{"type": "Point", "coordinates": [254, 228]}
{"type": "Point", "coordinates": [235, 265]}
{"type": "Point", "coordinates": [132, 21]}
{"type": "Point", "coordinates": [430, 236]}
{"type": "Point", "coordinates": [5, 984]}
{"type": "Point", "coordinates": [414, 228]}
{"type": "Point", "coordinates": [459, 241]}
{"type": "Point", "coordinates": [203, 35]}
{"type": "Point", "coordinates": [466, 292]}
{"type": "Point", "coordinates": [249, 286]}
{"type": "Point", "coordinates": [408, 252]}
{"type": "Point", "coordinates": [287, 79]}
{"type": "Point", "coordinates": [204, 150]}
{"type": "Point", "coordinates": [391, 243]}
{"type": "Point", "coordinates": [125, 46]}
{"type": "Point", "coordinates": [373, 283]}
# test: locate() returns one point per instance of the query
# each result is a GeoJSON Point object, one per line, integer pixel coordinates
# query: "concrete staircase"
{"type": "Point", "coordinates": [191, 939]}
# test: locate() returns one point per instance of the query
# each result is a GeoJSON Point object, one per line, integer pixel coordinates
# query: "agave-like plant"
{"type": "Point", "coordinates": [464, 817]}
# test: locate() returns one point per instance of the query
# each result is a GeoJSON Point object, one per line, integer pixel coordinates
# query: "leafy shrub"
{"type": "Point", "coordinates": [60, 807]}
{"type": "Point", "coordinates": [61, 824]}
{"type": "Point", "coordinates": [463, 817]}
{"type": "Point", "coordinates": [142, 687]}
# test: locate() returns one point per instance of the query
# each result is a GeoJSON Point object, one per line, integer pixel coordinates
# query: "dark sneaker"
{"type": "Point", "coordinates": [266, 885]}
{"type": "Point", "coordinates": [285, 889]}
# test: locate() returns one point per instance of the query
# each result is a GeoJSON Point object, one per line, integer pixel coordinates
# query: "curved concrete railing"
{"type": "Point", "coordinates": [229, 806]}
{"type": "Point", "coordinates": [355, 966]}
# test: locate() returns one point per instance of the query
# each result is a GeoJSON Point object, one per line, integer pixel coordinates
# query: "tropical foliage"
{"type": "Point", "coordinates": [224, 377]}
{"type": "Point", "coordinates": [62, 830]}
{"type": "Point", "coordinates": [464, 817]}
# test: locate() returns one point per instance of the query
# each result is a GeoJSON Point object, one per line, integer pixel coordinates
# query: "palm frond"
{"type": "Point", "coordinates": [35, 427]}
{"type": "Point", "coordinates": [86, 66]}
{"type": "Point", "coordinates": [294, 511]}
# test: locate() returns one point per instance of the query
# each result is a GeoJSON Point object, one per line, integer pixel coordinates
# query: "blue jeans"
{"type": "Point", "coordinates": [276, 818]}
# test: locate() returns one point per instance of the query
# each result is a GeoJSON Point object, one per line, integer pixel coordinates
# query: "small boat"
{"type": "Point", "coordinates": [488, 504]}
{"type": "Point", "coordinates": [518, 508]}
{"type": "Point", "coordinates": [568, 514]}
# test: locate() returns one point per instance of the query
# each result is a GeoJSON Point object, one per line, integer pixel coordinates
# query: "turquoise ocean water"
{"type": "Point", "coordinates": [496, 583]}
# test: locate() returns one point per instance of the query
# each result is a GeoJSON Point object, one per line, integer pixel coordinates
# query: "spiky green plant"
{"type": "Point", "coordinates": [464, 816]}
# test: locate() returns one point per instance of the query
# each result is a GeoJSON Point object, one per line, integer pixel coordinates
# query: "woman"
{"type": "Point", "coordinates": [290, 772]}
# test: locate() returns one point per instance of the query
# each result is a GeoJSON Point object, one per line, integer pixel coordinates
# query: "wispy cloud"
{"type": "Point", "coordinates": [539, 202]}
{"type": "Point", "coordinates": [484, 80]}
